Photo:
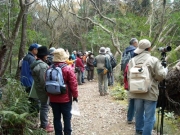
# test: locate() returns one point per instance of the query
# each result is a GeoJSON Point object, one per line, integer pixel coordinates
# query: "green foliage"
{"type": "Point", "coordinates": [170, 123]}
{"type": "Point", "coordinates": [14, 111]}
{"type": "Point", "coordinates": [119, 93]}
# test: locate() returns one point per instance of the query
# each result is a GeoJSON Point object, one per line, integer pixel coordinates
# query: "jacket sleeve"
{"type": "Point", "coordinates": [95, 63]}
{"type": "Point", "coordinates": [159, 72]}
{"type": "Point", "coordinates": [72, 82]}
{"type": "Point", "coordinates": [89, 63]}
{"type": "Point", "coordinates": [79, 63]}
{"type": "Point", "coordinates": [132, 53]}
{"type": "Point", "coordinates": [108, 64]}
{"type": "Point", "coordinates": [42, 74]}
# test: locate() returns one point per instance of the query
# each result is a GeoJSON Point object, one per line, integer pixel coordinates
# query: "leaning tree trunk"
{"type": "Point", "coordinates": [23, 43]}
{"type": "Point", "coordinates": [8, 42]}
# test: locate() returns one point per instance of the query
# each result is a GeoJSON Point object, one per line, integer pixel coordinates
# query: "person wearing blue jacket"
{"type": "Point", "coordinates": [132, 46]}
{"type": "Point", "coordinates": [131, 110]}
{"type": "Point", "coordinates": [26, 75]}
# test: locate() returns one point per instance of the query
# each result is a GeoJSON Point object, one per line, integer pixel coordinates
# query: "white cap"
{"type": "Point", "coordinates": [143, 44]}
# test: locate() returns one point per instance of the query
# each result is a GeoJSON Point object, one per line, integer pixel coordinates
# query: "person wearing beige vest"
{"type": "Point", "coordinates": [145, 103]}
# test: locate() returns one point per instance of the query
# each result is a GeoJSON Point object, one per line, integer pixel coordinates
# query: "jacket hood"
{"type": "Point", "coordinates": [130, 48]}
{"type": "Point", "coordinates": [35, 63]}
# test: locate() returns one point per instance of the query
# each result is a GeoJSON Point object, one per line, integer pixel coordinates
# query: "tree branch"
{"type": "Point", "coordinates": [99, 12]}
{"type": "Point", "coordinates": [30, 3]}
{"type": "Point", "coordinates": [2, 36]}
{"type": "Point", "coordinates": [175, 50]}
{"type": "Point", "coordinates": [73, 31]}
{"type": "Point", "coordinates": [87, 18]}
{"type": "Point", "coordinates": [17, 24]}
{"type": "Point", "coordinates": [21, 3]}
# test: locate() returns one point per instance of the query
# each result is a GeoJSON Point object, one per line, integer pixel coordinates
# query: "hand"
{"type": "Point", "coordinates": [166, 70]}
{"type": "Point", "coordinates": [75, 99]}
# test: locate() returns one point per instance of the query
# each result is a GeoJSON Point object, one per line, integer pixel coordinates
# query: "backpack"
{"type": "Point", "coordinates": [112, 61]}
{"type": "Point", "coordinates": [50, 59]}
{"type": "Point", "coordinates": [54, 82]}
{"type": "Point", "coordinates": [125, 60]}
{"type": "Point", "coordinates": [139, 77]}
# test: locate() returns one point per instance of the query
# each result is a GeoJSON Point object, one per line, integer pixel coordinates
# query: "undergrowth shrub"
{"type": "Point", "coordinates": [170, 123]}
{"type": "Point", "coordinates": [15, 117]}
{"type": "Point", "coordinates": [118, 93]}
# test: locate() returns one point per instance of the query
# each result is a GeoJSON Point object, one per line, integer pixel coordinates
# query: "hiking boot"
{"type": "Point", "coordinates": [138, 133]}
{"type": "Point", "coordinates": [106, 94]}
{"type": "Point", "coordinates": [129, 122]}
{"type": "Point", "coordinates": [50, 125]}
{"type": "Point", "coordinates": [49, 129]}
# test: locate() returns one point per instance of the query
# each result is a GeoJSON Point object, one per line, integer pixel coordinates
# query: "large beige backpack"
{"type": "Point", "coordinates": [139, 77]}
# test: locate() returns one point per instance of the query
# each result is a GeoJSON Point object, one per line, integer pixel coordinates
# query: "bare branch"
{"type": "Point", "coordinates": [21, 3]}
{"type": "Point", "coordinates": [87, 18]}
{"type": "Point", "coordinates": [49, 10]}
{"type": "Point", "coordinates": [17, 24]}
{"type": "Point", "coordinates": [173, 63]}
{"type": "Point", "coordinates": [30, 3]}
{"type": "Point", "coordinates": [175, 50]}
{"type": "Point", "coordinates": [73, 32]}
{"type": "Point", "coordinates": [2, 36]}
{"type": "Point", "coordinates": [99, 12]}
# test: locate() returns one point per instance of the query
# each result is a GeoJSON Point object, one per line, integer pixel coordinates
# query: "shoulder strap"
{"type": "Point", "coordinates": [62, 66]}
{"type": "Point", "coordinates": [133, 62]}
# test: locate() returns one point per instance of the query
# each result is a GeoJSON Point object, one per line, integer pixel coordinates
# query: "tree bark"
{"type": "Point", "coordinates": [9, 42]}
{"type": "Point", "coordinates": [23, 43]}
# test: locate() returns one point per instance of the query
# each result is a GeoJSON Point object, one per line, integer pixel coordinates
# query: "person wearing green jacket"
{"type": "Point", "coordinates": [38, 69]}
{"type": "Point", "coordinates": [103, 64]}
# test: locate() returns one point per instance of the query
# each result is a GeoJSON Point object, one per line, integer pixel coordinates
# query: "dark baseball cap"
{"type": "Point", "coordinates": [33, 46]}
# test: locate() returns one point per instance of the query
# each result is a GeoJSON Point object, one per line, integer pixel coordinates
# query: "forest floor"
{"type": "Point", "coordinates": [100, 115]}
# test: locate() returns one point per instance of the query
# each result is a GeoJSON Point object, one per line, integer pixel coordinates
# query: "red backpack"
{"type": "Point", "coordinates": [125, 78]}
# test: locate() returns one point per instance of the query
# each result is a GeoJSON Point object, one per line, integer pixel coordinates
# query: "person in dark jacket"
{"type": "Point", "coordinates": [38, 69]}
{"type": "Point", "coordinates": [103, 64]}
{"type": "Point", "coordinates": [131, 109]}
{"type": "Point", "coordinates": [26, 76]}
{"type": "Point", "coordinates": [90, 67]}
{"type": "Point", "coordinates": [128, 53]}
{"type": "Point", "coordinates": [61, 104]}
{"type": "Point", "coordinates": [132, 46]}
{"type": "Point", "coordinates": [79, 64]}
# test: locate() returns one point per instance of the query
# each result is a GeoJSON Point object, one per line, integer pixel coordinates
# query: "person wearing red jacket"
{"type": "Point", "coordinates": [80, 65]}
{"type": "Point", "coordinates": [62, 103]}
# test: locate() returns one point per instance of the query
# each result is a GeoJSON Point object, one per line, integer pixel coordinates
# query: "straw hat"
{"type": "Point", "coordinates": [60, 55]}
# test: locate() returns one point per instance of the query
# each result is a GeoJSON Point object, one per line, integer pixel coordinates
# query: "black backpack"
{"type": "Point", "coordinates": [113, 61]}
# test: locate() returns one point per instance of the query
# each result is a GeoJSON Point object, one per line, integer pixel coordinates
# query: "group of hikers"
{"type": "Point", "coordinates": [75, 67]}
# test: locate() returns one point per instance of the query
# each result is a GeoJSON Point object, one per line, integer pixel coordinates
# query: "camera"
{"type": "Point", "coordinates": [164, 49]}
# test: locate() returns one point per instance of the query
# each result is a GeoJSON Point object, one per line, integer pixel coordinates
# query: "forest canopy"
{"type": "Point", "coordinates": [85, 25]}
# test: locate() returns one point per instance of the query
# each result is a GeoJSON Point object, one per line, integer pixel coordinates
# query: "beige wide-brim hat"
{"type": "Point", "coordinates": [60, 55]}
{"type": "Point", "coordinates": [143, 44]}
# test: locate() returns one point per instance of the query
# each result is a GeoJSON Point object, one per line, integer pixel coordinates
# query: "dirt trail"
{"type": "Point", "coordinates": [100, 115]}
